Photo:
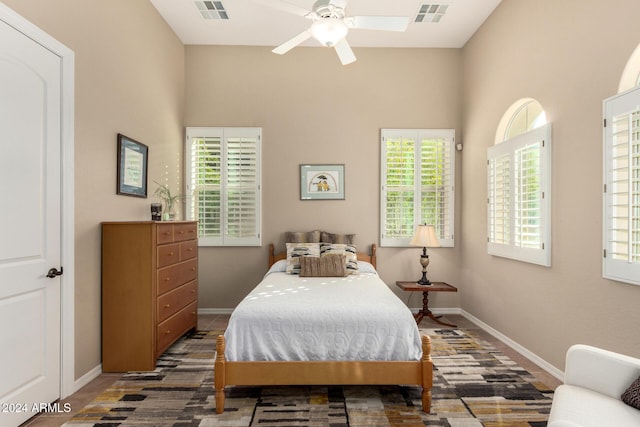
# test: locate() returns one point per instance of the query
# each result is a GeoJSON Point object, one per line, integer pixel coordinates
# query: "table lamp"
{"type": "Point", "coordinates": [425, 236]}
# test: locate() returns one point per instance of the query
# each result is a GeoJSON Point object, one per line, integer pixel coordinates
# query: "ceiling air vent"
{"type": "Point", "coordinates": [431, 13]}
{"type": "Point", "coordinates": [212, 9]}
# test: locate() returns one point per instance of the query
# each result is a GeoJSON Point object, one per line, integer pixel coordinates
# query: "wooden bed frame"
{"type": "Point", "coordinates": [419, 372]}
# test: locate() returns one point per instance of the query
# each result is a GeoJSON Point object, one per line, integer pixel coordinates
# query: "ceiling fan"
{"type": "Point", "coordinates": [330, 25]}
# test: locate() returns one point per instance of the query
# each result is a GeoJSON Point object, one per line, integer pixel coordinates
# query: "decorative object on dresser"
{"type": "Point", "coordinates": [156, 211]}
{"type": "Point", "coordinates": [425, 236]}
{"type": "Point", "coordinates": [149, 290]}
{"type": "Point", "coordinates": [170, 200]}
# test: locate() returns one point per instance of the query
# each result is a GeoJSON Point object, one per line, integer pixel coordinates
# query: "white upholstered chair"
{"type": "Point", "coordinates": [594, 382]}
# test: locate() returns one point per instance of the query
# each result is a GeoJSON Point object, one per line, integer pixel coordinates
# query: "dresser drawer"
{"type": "Point", "coordinates": [172, 301]}
{"type": "Point", "coordinates": [168, 254]}
{"type": "Point", "coordinates": [176, 275]}
{"type": "Point", "coordinates": [188, 250]}
{"type": "Point", "coordinates": [172, 328]}
{"type": "Point", "coordinates": [164, 233]}
{"type": "Point", "coordinates": [182, 232]}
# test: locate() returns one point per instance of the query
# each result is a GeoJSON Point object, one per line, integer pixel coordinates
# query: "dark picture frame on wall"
{"type": "Point", "coordinates": [321, 182]}
{"type": "Point", "coordinates": [133, 158]}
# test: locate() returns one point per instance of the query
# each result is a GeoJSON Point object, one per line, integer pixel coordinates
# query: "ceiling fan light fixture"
{"type": "Point", "coordinates": [329, 31]}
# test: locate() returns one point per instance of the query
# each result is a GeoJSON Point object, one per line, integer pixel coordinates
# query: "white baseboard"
{"type": "Point", "coordinates": [552, 370]}
{"type": "Point", "coordinates": [86, 378]}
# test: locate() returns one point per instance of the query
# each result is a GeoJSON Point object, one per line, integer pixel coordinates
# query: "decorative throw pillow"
{"type": "Point", "coordinates": [338, 248]}
{"type": "Point", "coordinates": [631, 396]}
{"type": "Point", "coordinates": [297, 250]}
{"type": "Point", "coordinates": [346, 239]}
{"type": "Point", "coordinates": [330, 265]}
{"type": "Point", "coordinates": [302, 236]}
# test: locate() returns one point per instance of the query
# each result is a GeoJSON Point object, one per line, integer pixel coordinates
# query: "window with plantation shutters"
{"type": "Point", "coordinates": [518, 197]}
{"type": "Point", "coordinates": [621, 234]}
{"type": "Point", "coordinates": [223, 185]}
{"type": "Point", "coordinates": [417, 170]}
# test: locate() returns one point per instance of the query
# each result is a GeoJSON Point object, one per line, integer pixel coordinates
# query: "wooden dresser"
{"type": "Point", "coordinates": [149, 290]}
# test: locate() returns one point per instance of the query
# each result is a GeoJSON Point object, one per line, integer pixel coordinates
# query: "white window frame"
{"type": "Point", "coordinates": [621, 242]}
{"type": "Point", "coordinates": [446, 235]}
{"type": "Point", "coordinates": [254, 238]}
{"type": "Point", "coordinates": [506, 152]}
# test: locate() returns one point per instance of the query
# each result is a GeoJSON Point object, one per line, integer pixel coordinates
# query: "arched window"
{"type": "Point", "coordinates": [631, 75]}
{"type": "Point", "coordinates": [524, 115]}
{"type": "Point", "coordinates": [621, 201]}
{"type": "Point", "coordinates": [519, 185]}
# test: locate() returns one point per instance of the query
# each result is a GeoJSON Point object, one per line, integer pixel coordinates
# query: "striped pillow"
{"type": "Point", "coordinates": [297, 250]}
{"type": "Point", "coordinates": [339, 248]}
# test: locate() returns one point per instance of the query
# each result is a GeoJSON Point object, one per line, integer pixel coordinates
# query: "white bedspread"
{"type": "Point", "coordinates": [287, 317]}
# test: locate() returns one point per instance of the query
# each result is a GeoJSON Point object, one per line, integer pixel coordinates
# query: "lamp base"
{"type": "Point", "coordinates": [423, 280]}
{"type": "Point", "coordinates": [424, 262]}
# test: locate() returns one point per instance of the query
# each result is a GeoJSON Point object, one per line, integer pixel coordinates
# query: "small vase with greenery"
{"type": "Point", "coordinates": [164, 193]}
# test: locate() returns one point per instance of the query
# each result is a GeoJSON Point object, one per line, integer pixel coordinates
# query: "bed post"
{"type": "Point", "coordinates": [374, 259]}
{"type": "Point", "coordinates": [427, 374]}
{"type": "Point", "coordinates": [219, 374]}
{"type": "Point", "coordinates": [272, 254]}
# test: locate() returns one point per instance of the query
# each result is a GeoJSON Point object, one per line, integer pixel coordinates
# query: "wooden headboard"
{"type": "Point", "coordinates": [370, 258]}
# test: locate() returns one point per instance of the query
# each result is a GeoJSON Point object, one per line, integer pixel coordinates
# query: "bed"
{"type": "Point", "coordinates": [293, 330]}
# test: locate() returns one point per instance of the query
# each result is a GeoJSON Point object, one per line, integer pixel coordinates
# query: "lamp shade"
{"type": "Point", "coordinates": [425, 236]}
{"type": "Point", "coordinates": [329, 31]}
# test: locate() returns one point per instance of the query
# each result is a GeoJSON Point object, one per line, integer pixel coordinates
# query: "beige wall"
{"type": "Point", "coordinates": [314, 110]}
{"type": "Point", "coordinates": [129, 78]}
{"type": "Point", "coordinates": [569, 55]}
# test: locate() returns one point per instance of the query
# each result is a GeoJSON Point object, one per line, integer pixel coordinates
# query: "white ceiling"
{"type": "Point", "coordinates": [251, 23]}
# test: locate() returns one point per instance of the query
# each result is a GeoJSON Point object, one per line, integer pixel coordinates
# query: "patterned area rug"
{"type": "Point", "coordinates": [474, 385]}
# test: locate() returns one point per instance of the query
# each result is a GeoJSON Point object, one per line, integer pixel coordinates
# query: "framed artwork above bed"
{"type": "Point", "coordinates": [321, 182]}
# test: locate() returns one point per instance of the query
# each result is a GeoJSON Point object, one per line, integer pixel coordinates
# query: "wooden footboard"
{"type": "Point", "coordinates": [324, 373]}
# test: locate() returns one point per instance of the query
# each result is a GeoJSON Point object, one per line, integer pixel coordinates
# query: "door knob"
{"type": "Point", "coordinates": [53, 272]}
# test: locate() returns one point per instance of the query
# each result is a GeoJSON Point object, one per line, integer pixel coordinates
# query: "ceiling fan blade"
{"type": "Point", "coordinates": [286, 7]}
{"type": "Point", "coordinates": [338, 3]}
{"type": "Point", "coordinates": [386, 23]}
{"type": "Point", "coordinates": [290, 44]}
{"type": "Point", "coordinates": [344, 52]}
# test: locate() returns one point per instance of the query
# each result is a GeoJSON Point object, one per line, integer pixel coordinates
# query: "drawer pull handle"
{"type": "Point", "coordinates": [167, 332]}
{"type": "Point", "coordinates": [193, 269]}
{"type": "Point", "coordinates": [166, 233]}
{"type": "Point", "coordinates": [167, 305]}
{"type": "Point", "coordinates": [193, 291]}
{"type": "Point", "coordinates": [181, 232]}
{"type": "Point", "coordinates": [190, 250]}
{"type": "Point", "coordinates": [167, 279]}
{"type": "Point", "coordinates": [170, 253]}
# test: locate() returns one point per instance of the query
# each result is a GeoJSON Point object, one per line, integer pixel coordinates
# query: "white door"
{"type": "Point", "coordinates": [30, 190]}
